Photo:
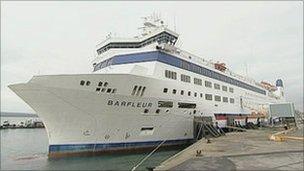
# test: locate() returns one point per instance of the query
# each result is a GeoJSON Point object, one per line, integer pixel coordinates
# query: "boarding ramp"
{"type": "Point", "coordinates": [204, 127]}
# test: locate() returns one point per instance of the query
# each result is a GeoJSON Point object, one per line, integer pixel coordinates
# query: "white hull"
{"type": "Point", "coordinates": [80, 117]}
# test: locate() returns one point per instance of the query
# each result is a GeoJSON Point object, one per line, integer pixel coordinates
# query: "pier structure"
{"type": "Point", "coordinates": [252, 150]}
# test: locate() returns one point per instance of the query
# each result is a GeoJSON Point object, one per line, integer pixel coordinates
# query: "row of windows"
{"type": "Point", "coordinates": [105, 84]}
{"type": "Point", "coordinates": [207, 96]}
{"type": "Point", "coordinates": [138, 90]}
{"type": "Point", "coordinates": [87, 83]}
{"type": "Point", "coordinates": [169, 104]}
{"type": "Point", "coordinates": [177, 62]}
{"type": "Point", "coordinates": [108, 90]}
{"type": "Point", "coordinates": [219, 98]}
{"type": "Point", "coordinates": [197, 81]}
{"type": "Point", "coordinates": [170, 74]}
{"type": "Point", "coordinates": [163, 37]}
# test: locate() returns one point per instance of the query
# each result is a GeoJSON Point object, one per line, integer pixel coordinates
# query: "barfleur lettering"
{"type": "Point", "coordinates": [129, 104]}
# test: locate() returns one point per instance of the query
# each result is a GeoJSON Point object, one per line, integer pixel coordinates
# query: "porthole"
{"type": "Point", "coordinates": [82, 82]}
{"type": "Point", "coordinates": [146, 110]}
{"type": "Point", "coordinates": [157, 111]}
{"type": "Point", "coordinates": [105, 84]}
{"type": "Point", "coordinates": [167, 111]}
{"type": "Point", "coordinates": [100, 83]}
{"type": "Point", "coordinates": [97, 89]}
{"type": "Point", "coordinates": [109, 90]}
{"type": "Point", "coordinates": [174, 91]}
{"type": "Point", "coordinates": [103, 89]}
{"type": "Point", "coordinates": [88, 83]}
{"type": "Point", "coordinates": [165, 90]}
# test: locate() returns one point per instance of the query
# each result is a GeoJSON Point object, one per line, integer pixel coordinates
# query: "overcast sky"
{"type": "Point", "coordinates": [60, 37]}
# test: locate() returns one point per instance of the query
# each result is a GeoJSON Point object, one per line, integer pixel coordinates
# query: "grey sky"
{"type": "Point", "coordinates": [60, 37]}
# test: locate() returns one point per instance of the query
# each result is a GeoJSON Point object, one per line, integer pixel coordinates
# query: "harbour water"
{"type": "Point", "coordinates": [26, 149]}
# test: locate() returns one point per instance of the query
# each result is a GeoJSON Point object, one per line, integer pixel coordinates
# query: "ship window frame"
{"type": "Point", "coordinates": [208, 97]}
{"type": "Point", "coordinates": [88, 83]}
{"type": "Point", "coordinates": [217, 86]}
{"type": "Point", "coordinates": [82, 82]}
{"type": "Point", "coordinates": [165, 90]}
{"type": "Point", "coordinates": [165, 104]}
{"type": "Point", "coordinates": [134, 90]}
{"type": "Point", "coordinates": [224, 88]}
{"type": "Point", "coordinates": [184, 105]}
{"type": "Point", "coordinates": [231, 90]}
{"type": "Point", "coordinates": [208, 84]}
{"type": "Point", "coordinates": [225, 99]}
{"type": "Point", "coordinates": [231, 100]}
{"type": "Point", "coordinates": [217, 98]}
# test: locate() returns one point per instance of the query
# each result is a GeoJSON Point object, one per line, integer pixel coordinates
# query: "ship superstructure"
{"type": "Point", "coordinates": [142, 91]}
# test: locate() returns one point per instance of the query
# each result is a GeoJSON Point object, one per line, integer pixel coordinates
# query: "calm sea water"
{"type": "Point", "coordinates": [26, 149]}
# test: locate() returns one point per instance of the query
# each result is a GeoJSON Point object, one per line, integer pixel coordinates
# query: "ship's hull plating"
{"type": "Point", "coordinates": [79, 121]}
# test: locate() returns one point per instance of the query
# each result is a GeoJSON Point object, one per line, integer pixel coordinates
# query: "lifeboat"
{"type": "Point", "coordinates": [220, 66]}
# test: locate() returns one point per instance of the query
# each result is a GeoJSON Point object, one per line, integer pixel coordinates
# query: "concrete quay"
{"type": "Point", "coordinates": [250, 150]}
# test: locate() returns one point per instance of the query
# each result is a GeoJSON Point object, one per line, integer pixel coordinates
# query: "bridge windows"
{"type": "Point", "coordinates": [225, 99]}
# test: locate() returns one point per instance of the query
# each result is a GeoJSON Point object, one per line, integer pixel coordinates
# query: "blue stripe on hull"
{"type": "Point", "coordinates": [112, 146]}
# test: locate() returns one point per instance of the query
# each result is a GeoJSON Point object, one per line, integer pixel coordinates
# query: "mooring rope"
{"type": "Point", "coordinates": [135, 167]}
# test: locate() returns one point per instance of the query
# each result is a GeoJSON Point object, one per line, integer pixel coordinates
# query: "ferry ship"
{"type": "Point", "coordinates": [142, 91]}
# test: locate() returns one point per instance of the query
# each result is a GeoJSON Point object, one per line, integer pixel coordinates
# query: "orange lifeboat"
{"type": "Point", "coordinates": [268, 86]}
{"type": "Point", "coordinates": [220, 66]}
